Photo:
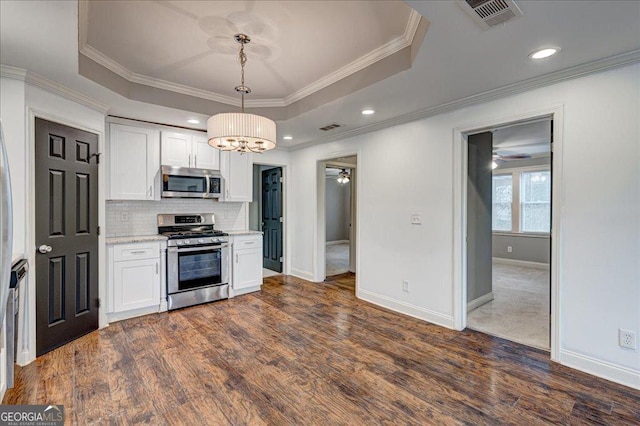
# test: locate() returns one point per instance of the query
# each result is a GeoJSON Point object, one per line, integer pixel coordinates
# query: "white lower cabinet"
{"type": "Point", "coordinates": [246, 264]}
{"type": "Point", "coordinates": [135, 278]}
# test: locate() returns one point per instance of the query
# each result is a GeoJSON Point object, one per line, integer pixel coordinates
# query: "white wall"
{"type": "Point", "coordinates": [12, 114]}
{"type": "Point", "coordinates": [600, 243]}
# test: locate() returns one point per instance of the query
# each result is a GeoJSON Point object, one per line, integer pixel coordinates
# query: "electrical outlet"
{"type": "Point", "coordinates": [626, 338]}
{"type": "Point", "coordinates": [509, 249]}
{"type": "Point", "coordinates": [416, 219]}
{"type": "Point", "coordinates": [124, 216]}
{"type": "Point", "coordinates": [405, 286]}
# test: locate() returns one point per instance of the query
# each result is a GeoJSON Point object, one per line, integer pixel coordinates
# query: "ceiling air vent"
{"type": "Point", "coordinates": [330, 127]}
{"type": "Point", "coordinates": [489, 13]}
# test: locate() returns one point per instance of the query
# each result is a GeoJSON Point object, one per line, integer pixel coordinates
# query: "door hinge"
{"type": "Point", "coordinates": [281, 179]}
{"type": "Point", "coordinates": [99, 303]}
{"type": "Point", "coordinates": [281, 219]}
{"type": "Point", "coordinates": [98, 230]}
{"type": "Point", "coordinates": [97, 155]}
{"type": "Point", "coordinates": [281, 260]}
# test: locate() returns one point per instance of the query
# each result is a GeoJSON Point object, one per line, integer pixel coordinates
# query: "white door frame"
{"type": "Point", "coordinates": [320, 240]}
{"type": "Point", "coordinates": [286, 243]}
{"type": "Point", "coordinates": [556, 112]}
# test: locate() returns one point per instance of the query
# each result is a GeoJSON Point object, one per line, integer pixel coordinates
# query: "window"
{"type": "Point", "coordinates": [502, 195]}
{"type": "Point", "coordinates": [522, 201]}
{"type": "Point", "coordinates": [535, 201]}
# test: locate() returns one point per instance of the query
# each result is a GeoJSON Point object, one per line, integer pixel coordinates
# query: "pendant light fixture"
{"type": "Point", "coordinates": [240, 131]}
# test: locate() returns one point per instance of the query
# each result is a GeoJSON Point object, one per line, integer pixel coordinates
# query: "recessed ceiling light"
{"type": "Point", "coordinates": [367, 111]}
{"type": "Point", "coordinates": [544, 53]}
{"type": "Point", "coordinates": [288, 138]}
{"type": "Point", "coordinates": [193, 121]}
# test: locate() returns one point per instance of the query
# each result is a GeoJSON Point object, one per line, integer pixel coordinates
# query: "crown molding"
{"type": "Point", "coordinates": [388, 49]}
{"type": "Point", "coordinates": [51, 86]}
{"type": "Point", "coordinates": [582, 70]}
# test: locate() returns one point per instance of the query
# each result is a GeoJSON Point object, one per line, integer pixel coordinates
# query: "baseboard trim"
{"type": "Point", "coordinates": [476, 303]}
{"type": "Point", "coordinates": [302, 274]}
{"type": "Point", "coordinates": [119, 316]}
{"type": "Point", "coordinates": [333, 243]}
{"type": "Point", "coordinates": [406, 308]}
{"type": "Point", "coordinates": [525, 263]}
{"type": "Point", "coordinates": [246, 290]}
{"type": "Point", "coordinates": [606, 370]}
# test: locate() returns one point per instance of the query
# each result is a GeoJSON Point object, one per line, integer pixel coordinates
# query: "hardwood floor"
{"type": "Point", "coordinates": [303, 353]}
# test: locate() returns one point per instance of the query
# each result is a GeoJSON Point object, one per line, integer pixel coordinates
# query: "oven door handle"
{"type": "Point", "coordinates": [187, 250]}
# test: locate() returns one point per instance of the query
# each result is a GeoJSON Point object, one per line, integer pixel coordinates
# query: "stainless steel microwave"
{"type": "Point", "coordinates": [183, 182]}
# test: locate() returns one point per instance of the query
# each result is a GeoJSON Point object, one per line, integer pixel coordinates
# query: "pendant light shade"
{"type": "Point", "coordinates": [240, 131]}
{"type": "Point", "coordinates": [237, 131]}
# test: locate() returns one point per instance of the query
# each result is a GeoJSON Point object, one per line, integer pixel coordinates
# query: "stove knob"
{"type": "Point", "coordinates": [201, 240]}
{"type": "Point", "coordinates": [187, 241]}
{"type": "Point", "coordinates": [179, 243]}
{"type": "Point", "coordinates": [214, 240]}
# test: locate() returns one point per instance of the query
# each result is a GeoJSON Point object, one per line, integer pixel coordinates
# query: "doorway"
{"type": "Point", "coordinates": [267, 216]}
{"type": "Point", "coordinates": [339, 216]}
{"type": "Point", "coordinates": [508, 229]}
{"type": "Point", "coordinates": [66, 232]}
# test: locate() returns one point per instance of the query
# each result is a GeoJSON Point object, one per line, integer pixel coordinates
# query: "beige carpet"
{"type": "Point", "coordinates": [337, 258]}
{"type": "Point", "coordinates": [520, 309]}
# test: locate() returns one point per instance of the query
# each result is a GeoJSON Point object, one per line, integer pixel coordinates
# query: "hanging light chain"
{"type": "Point", "coordinates": [242, 57]}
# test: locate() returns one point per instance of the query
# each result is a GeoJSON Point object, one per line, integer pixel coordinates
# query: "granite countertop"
{"type": "Point", "coordinates": [135, 239]}
{"type": "Point", "coordinates": [245, 232]}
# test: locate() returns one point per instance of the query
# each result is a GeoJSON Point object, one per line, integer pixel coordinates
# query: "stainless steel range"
{"type": "Point", "coordinates": [197, 259]}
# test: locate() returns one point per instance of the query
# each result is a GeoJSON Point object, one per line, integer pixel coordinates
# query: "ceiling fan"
{"type": "Point", "coordinates": [497, 159]}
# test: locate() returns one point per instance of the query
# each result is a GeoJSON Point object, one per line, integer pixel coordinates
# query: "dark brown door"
{"type": "Point", "coordinates": [66, 234]}
{"type": "Point", "coordinates": [271, 214]}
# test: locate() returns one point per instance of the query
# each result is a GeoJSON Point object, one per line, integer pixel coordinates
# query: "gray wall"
{"type": "Point", "coordinates": [338, 209]}
{"type": "Point", "coordinates": [479, 212]}
{"type": "Point", "coordinates": [525, 247]}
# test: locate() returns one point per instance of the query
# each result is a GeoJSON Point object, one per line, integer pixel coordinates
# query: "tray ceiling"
{"type": "Point", "coordinates": [297, 48]}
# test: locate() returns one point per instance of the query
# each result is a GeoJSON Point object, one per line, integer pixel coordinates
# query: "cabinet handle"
{"type": "Point", "coordinates": [189, 160]}
{"type": "Point", "coordinates": [138, 252]}
{"type": "Point", "coordinates": [195, 160]}
{"type": "Point", "coordinates": [150, 191]}
{"type": "Point", "coordinates": [157, 272]}
{"type": "Point", "coordinates": [249, 242]}
{"type": "Point", "coordinates": [236, 257]}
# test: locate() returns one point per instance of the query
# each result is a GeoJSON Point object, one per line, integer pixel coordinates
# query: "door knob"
{"type": "Point", "coordinates": [44, 249]}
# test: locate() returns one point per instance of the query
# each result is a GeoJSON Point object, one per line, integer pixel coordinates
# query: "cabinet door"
{"type": "Point", "coordinates": [237, 170]}
{"type": "Point", "coordinates": [176, 149]}
{"type": "Point", "coordinates": [247, 268]}
{"type": "Point", "coordinates": [204, 155]}
{"type": "Point", "coordinates": [136, 284]}
{"type": "Point", "coordinates": [134, 160]}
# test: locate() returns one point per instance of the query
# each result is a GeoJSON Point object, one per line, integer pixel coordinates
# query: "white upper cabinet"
{"type": "Point", "coordinates": [237, 170]}
{"type": "Point", "coordinates": [176, 149]}
{"type": "Point", "coordinates": [204, 155]}
{"type": "Point", "coordinates": [134, 161]}
{"type": "Point", "coordinates": [187, 150]}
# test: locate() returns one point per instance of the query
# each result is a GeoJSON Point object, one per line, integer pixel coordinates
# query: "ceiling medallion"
{"type": "Point", "coordinates": [240, 131]}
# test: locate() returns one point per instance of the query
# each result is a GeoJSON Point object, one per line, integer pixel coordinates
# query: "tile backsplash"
{"type": "Point", "coordinates": [131, 218]}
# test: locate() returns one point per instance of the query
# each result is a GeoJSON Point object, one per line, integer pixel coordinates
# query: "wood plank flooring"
{"type": "Point", "coordinates": [303, 353]}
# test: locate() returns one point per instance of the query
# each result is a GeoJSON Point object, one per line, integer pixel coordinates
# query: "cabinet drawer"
{"type": "Point", "coordinates": [243, 242]}
{"type": "Point", "coordinates": [136, 251]}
